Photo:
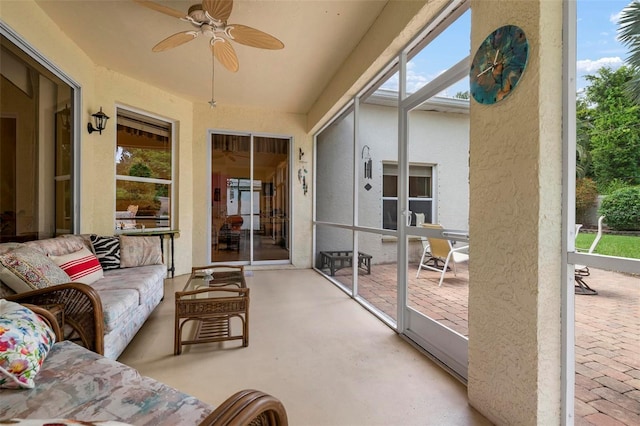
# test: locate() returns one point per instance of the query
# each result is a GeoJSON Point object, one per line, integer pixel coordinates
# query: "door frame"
{"type": "Point", "coordinates": [290, 194]}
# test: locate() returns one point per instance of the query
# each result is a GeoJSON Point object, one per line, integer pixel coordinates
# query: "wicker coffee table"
{"type": "Point", "coordinates": [211, 299]}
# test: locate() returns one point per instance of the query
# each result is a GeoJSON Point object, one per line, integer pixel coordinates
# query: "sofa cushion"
{"type": "Point", "coordinates": [25, 341]}
{"type": "Point", "coordinates": [57, 246]}
{"type": "Point", "coordinates": [107, 250]}
{"type": "Point", "coordinates": [143, 280]}
{"type": "Point", "coordinates": [140, 251]}
{"type": "Point", "coordinates": [77, 383]}
{"type": "Point", "coordinates": [25, 269]}
{"type": "Point", "coordinates": [117, 305]}
{"type": "Point", "coordinates": [82, 266]}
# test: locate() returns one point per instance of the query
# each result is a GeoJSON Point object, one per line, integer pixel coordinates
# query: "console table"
{"type": "Point", "coordinates": [159, 233]}
{"type": "Point", "coordinates": [338, 259]}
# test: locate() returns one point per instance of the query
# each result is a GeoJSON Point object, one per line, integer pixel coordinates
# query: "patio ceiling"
{"type": "Point", "coordinates": [318, 36]}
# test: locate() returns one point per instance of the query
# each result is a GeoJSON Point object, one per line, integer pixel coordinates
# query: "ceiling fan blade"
{"type": "Point", "coordinates": [218, 9]}
{"type": "Point", "coordinates": [175, 40]}
{"type": "Point", "coordinates": [252, 37]}
{"type": "Point", "coordinates": [161, 8]}
{"type": "Point", "coordinates": [225, 53]}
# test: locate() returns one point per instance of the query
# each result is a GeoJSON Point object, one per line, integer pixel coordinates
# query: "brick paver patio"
{"type": "Point", "coordinates": [607, 332]}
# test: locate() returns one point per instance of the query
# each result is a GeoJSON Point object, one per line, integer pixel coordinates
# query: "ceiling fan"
{"type": "Point", "coordinates": [210, 20]}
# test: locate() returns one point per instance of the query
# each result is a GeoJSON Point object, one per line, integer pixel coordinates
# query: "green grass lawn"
{"type": "Point", "coordinates": [611, 245]}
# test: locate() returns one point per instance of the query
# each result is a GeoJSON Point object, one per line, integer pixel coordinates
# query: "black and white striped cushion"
{"type": "Point", "coordinates": [107, 251]}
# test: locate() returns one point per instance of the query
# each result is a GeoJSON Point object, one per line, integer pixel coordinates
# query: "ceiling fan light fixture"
{"type": "Point", "coordinates": [210, 19]}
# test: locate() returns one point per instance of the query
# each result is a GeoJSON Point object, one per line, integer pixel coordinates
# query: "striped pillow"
{"type": "Point", "coordinates": [82, 266]}
{"type": "Point", "coordinates": [107, 250]}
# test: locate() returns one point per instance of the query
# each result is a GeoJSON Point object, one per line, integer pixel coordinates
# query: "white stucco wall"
{"type": "Point", "coordinates": [437, 139]}
{"type": "Point", "coordinates": [515, 224]}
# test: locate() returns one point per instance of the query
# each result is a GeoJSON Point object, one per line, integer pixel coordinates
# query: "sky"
{"type": "Point", "coordinates": [597, 37]}
{"type": "Point", "coordinates": [597, 46]}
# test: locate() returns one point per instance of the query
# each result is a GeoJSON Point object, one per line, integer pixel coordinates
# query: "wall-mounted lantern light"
{"type": "Point", "coordinates": [100, 120]}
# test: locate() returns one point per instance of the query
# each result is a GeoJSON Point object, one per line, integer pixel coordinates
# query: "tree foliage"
{"type": "Point", "coordinates": [629, 35]}
{"type": "Point", "coordinates": [611, 121]}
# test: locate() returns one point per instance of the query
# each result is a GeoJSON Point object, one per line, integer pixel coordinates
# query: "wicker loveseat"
{"type": "Point", "coordinates": [105, 315]}
{"type": "Point", "coordinates": [67, 381]}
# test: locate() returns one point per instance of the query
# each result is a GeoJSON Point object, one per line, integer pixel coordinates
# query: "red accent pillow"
{"type": "Point", "coordinates": [82, 266]}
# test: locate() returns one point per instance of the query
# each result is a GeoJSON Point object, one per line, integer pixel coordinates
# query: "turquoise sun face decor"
{"type": "Point", "coordinates": [498, 64]}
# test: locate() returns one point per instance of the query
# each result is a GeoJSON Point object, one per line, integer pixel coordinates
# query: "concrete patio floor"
{"type": "Point", "coordinates": [607, 330]}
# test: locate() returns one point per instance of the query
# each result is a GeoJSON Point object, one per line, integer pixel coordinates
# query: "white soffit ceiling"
{"type": "Point", "coordinates": [318, 36]}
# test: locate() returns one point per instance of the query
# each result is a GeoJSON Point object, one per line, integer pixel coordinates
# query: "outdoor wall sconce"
{"type": "Point", "coordinates": [100, 119]}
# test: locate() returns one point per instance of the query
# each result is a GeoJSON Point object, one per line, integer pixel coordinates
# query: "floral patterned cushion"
{"type": "Point", "coordinates": [139, 251]}
{"type": "Point", "coordinates": [82, 266]}
{"type": "Point", "coordinates": [25, 341]}
{"type": "Point", "coordinates": [25, 269]}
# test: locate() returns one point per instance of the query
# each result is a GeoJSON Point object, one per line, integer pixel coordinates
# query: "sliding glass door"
{"type": "Point", "coordinates": [250, 201]}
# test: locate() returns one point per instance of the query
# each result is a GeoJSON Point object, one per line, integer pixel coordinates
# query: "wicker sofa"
{"type": "Point", "coordinates": [105, 315]}
{"type": "Point", "coordinates": [78, 385]}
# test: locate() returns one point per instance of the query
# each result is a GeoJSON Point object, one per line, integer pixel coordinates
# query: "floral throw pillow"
{"type": "Point", "coordinates": [25, 341]}
{"type": "Point", "coordinates": [25, 269]}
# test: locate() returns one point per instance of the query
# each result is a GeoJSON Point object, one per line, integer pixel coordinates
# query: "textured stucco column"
{"type": "Point", "coordinates": [515, 226]}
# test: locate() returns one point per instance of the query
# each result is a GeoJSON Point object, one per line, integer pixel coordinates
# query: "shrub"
{"type": "Point", "coordinates": [586, 194]}
{"type": "Point", "coordinates": [622, 209]}
{"type": "Point", "coordinates": [613, 186]}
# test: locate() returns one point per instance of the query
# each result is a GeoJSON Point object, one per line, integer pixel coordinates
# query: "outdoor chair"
{"type": "Point", "coordinates": [582, 271]}
{"type": "Point", "coordinates": [126, 219]}
{"type": "Point", "coordinates": [440, 254]}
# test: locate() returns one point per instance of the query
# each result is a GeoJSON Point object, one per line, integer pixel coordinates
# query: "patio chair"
{"type": "Point", "coordinates": [126, 219]}
{"type": "Point", "coordinates": [582, 271]}
{"type": "Point", "coordinates": [441, 255]}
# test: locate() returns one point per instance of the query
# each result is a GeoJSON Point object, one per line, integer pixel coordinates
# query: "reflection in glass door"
{"type": "Point", "coordinates": [249, 198]}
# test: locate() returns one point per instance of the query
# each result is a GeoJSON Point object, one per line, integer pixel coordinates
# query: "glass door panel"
{"type": "Point", "coordinates": [249, 198]}
{"type": "Point", "coordinates": [231, 186]}
{"type": "Point", "coordinates": [270, 233]}
{"type": "Point", "coordinates": [437, 228]}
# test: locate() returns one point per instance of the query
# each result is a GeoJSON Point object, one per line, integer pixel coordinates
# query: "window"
{"type": "Point", "coordinates": [420, 194]}
{"type": "Point", "coordinates": [37, 146]}
{"type": "Point", "coordinates": [144, 172]}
